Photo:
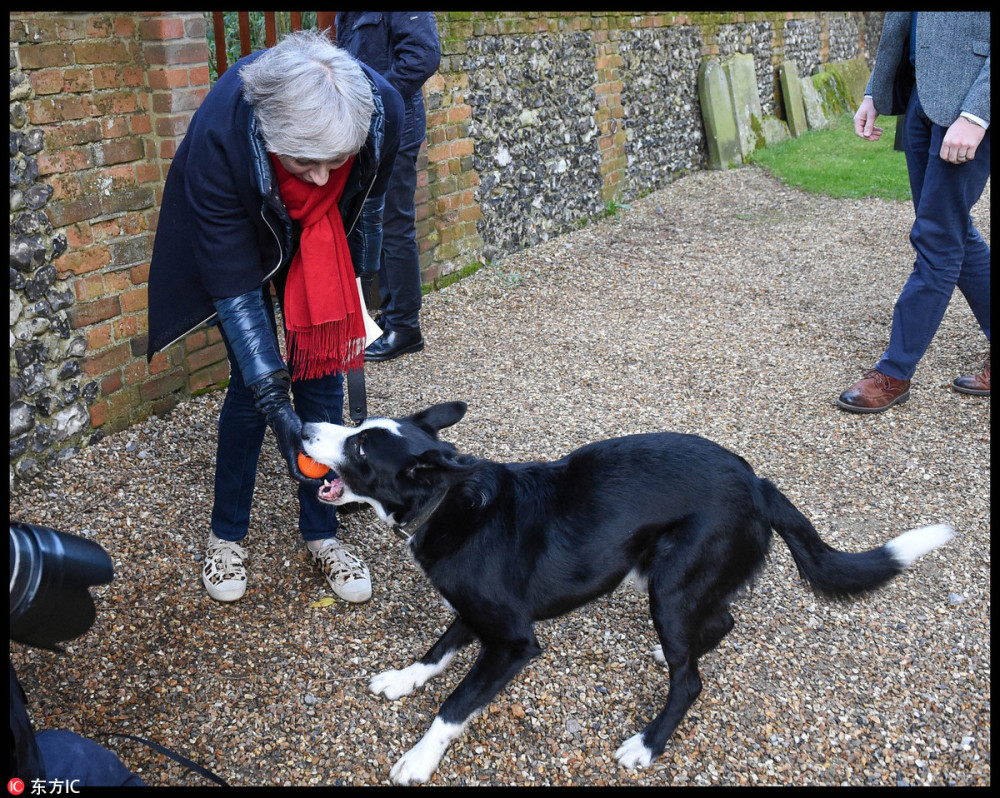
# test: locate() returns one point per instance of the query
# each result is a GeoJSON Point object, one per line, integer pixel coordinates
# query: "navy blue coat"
{"type": "Point", "coordinates": [403, 47]}
{"type": "Point", "coordinates": [223, 230]}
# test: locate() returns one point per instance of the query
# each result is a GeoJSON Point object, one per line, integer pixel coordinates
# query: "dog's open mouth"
{"type": "Point", "coordinates": [331, 490]}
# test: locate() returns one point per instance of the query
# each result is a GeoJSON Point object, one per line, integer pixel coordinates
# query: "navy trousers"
{"type": "Point", "coordinates": [950, 251]}
{"type": "Point", "coordinates": [241, 435]}
{"type": "Point", "coordinates": [399, 270]}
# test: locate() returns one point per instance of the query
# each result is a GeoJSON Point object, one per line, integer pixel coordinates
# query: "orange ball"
{"type": "Point", "coordinates": [310, 467]}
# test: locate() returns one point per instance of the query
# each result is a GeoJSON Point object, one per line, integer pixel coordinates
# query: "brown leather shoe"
{"type": "Point", "coordinates": [874, 393]}
{"type": "Point", "coordinates": [976, 384]}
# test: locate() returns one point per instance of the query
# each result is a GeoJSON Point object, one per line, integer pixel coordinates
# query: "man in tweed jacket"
{"type": "Point", "coordinates": [935, 67]}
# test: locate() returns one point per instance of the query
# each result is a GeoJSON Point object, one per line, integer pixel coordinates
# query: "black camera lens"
{"type": "Point", "coordinates": [50, 576]}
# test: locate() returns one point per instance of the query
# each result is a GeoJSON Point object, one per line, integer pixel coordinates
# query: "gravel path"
{"type": "Point", "coordinates": [725, 305]}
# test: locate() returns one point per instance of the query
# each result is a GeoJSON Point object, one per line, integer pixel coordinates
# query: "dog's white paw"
{"type": "Point", "coordinates": [416, 765]}
{"type": "Point", "coordinates": [633, 753]}
{"type": "Point", "coordinates": [658, 655]}
{"type": "Point", "coordinates": [395, 684]}
{"type": "Point", "coordinates": [420, 762]}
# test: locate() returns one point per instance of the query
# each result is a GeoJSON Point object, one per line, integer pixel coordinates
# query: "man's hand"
{"type": "Point", "coordinates": [961, 141]}
{"type": "Point", "coordinates": [864, 121]}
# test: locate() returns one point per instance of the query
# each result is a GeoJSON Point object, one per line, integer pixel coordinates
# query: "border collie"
{"type": "Point", "coordinates": [510, 544]}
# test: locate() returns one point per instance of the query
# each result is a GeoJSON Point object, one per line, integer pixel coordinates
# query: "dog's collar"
{"type": "Point", "coordinates": [406, 531]}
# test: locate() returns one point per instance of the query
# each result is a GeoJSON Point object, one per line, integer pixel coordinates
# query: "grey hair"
{"type": "Point", "coordinates": [311, 99]}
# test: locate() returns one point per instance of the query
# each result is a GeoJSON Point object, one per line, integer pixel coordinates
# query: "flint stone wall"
{"type": "Point", "coordinates": [536, 152]}
{"type": "Point", "coordinates": [536, 144]}
{"type": "Point", "coordinates": [664, 135]}
{"type": "Point", "coordinates": [49, 394]}
{"type": "Point", "coordinates": [803, 46]}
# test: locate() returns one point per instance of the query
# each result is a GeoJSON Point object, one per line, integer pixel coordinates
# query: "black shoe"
{"type": "Point", "coordinates": [393, 344]}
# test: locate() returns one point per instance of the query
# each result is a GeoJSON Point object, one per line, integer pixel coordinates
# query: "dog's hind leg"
{"type": "Point", "coordinates": [497, 664]}
{"type": "Point", "coordinates": [685, 686]}
{"type": "Point", "coordinates": [709, 637]}
{"type": "Point", "coordinates": [683, 640]}
{"type": "Point", "coordinates": [712, 632]}
{"type": "Point", "coordinates": [394, 684]}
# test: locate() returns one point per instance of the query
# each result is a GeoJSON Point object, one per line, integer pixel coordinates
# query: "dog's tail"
{"type": "Point", "coordinates": [838, 573]}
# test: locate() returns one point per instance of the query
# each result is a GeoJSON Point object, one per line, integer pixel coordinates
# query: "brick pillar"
{"type": "Point", "coordinates": [175, 52]}
{"type": "Point", "coordinates": [610, 112]}
{"type": "Point", "coordinates": [447, 209]}
{"type": "Point", "coordinates": [89, 104]}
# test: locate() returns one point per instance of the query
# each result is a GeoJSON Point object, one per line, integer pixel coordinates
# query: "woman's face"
{"type": "Point", "coordinates": [315, 172]}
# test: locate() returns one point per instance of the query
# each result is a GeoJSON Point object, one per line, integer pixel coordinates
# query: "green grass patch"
{"type": "Point", "coordinates": [836, 162]}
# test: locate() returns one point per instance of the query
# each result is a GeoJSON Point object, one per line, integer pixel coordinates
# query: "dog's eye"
{"type": "Point", "coordinates": [359, 446]}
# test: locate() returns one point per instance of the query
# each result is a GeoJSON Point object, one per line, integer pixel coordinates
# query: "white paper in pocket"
{"type": "Point", "coordinates": [372, 331]}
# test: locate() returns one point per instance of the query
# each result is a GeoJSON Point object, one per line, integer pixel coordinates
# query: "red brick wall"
{"type": "Point", "coordinates": [113, 94]}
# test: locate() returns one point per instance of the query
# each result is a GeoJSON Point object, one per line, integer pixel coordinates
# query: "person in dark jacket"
{"type": "Point", "coordinates": [279, 182]}
{"type": "Point", "coordinates": [404, 47]}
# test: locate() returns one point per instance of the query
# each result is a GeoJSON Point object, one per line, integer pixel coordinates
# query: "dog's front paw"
{"type": "Point", "coordinates": [633, 753]}
{"type": "Point", "coordinates": [395, 684]}
{"type": "Point", "coordinates": [416, 765]}
{"type": "Point", "coordinates": [420, 762]}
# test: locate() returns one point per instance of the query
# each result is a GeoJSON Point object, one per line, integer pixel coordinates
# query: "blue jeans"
{"type": "Point", "coordinates": [399, 270]}
{"type": "Point", "coordinates": [79, 762]}
{"type": "Point", "coordinates": [950, 251]}
{"type": "Point", "coordinates": [241, 435]}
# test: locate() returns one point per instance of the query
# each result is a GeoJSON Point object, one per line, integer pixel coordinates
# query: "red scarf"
{"type": "Point", "coordinates": [324, 328]}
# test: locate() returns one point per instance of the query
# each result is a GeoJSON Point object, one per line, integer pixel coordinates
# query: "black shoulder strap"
{"type": "Point", "coordinates": [356, 396]}
{"type": "Point", "coordinates": [194, 766]}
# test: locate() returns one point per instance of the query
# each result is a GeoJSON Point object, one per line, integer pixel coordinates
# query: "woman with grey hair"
{"type": "Point", "coordinates": [278, 184]}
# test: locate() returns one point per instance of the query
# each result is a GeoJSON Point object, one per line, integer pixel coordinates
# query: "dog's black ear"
{"type": "Point", "coordinates": [433, 462]}
{"type": "Point", "coordinates": [437, 417]}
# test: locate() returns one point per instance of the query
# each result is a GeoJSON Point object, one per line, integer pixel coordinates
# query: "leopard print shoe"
{"type": "Point", "coordinates": [224, 575]}
{"type": "Point", "coordinates": [347, 575]}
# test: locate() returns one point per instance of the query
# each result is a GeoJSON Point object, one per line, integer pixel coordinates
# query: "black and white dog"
{"type": "Point", "coordinates": [510, 544]}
